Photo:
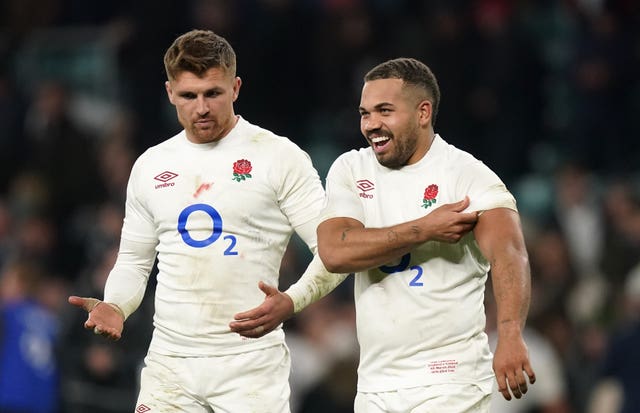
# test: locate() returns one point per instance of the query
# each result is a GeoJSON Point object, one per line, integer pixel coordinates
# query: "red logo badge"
{"type": "Point", "coordinates": [429, 197]}
{"type": "Point", "coordinates": [142, 408]}
{"type": "Point", "coordinates": [241, 170]}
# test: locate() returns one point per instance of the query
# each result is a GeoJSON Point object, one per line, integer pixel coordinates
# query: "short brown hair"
{"type": "Point", "coordinates": [198, 51]}
{"type": "Point", "coordinates": [412, 72]}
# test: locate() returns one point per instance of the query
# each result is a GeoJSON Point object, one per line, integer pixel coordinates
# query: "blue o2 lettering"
{"type": "Point", "coordinates": [414, 282]}
{"type": "Point", "coordinates": [216, 230]}
{"type": "Point", "coordinates": [232, 243]}
{"type": "Point", "coordinates": [404, 263]}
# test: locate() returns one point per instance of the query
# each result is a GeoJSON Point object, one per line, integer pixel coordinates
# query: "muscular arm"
{"type": "Point", "coordinates": [499, 235]}
{"type": "Point", "coordinates": [345, 245]}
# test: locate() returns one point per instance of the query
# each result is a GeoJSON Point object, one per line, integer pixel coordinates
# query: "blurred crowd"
{"type": "Point", "coordinates": [546, 92]}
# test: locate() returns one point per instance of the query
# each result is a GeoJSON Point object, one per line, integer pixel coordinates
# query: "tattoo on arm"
{"type": "Point", "coordinates": [392, 236]}
{"type": "Point", "coordinates": [344, 234]}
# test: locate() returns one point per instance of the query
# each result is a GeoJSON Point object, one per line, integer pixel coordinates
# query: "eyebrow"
{"type": "Point", "coordinates": [213, 89]}
{"type": "Point", "coordinates": [378, 106]}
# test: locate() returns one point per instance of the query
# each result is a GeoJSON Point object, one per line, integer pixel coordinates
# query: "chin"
{"type": "Point", "coordinates": [389, 163]}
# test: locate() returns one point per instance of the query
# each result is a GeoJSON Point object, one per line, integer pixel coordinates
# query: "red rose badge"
{"type": "Point", "coordinates": [430, 194]}
{"type": "Point", "coordinates": [241, 170]}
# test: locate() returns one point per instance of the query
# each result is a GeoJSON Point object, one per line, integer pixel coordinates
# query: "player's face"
{"type": "Point", "coordinates": [205, 104]}
{"type": "Point", "coordinates": [390, 121]}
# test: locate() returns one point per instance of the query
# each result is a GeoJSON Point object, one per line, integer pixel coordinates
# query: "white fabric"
{"type": "Point", "coordinates": [128, 279]}
{"type": "Point", "coordinates": [423, 323]}
{"type": "Point", "coordinates": [441, 398]}
{"type": "Point", "coordinates": [250, 382]}
{"type": "Point", "coordinates": [315, 283]}
{"type": "Point", "coordinates": [216, 234]}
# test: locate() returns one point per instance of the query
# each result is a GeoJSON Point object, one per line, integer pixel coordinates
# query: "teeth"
{"type": "Point", "coordinates": [379, 139]}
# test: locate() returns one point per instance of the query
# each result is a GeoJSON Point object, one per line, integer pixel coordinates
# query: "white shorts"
{"type": "Point", "coordinates": [257, 381]}
{"type": "Point", "coordinates": [439, 398]}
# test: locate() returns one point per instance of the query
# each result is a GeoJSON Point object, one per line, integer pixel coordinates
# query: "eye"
{"type": "Point", "coordinates": [385, 111]}
{"type": "Point", "coordinates": [188, 95]}
{"type": "Point", "coordinates": [211, 94]}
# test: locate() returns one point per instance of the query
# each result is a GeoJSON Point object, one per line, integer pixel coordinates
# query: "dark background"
{"type": "Point", "coordinates": [546, 93]}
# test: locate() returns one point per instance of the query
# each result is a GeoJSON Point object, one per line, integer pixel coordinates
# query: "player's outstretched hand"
{"type": "Point", "coordinates": [105, 319]}
{"type": "Point", "coordinates": [276, 307]}
{"type": "Point", "coordinates": [448, 223]}
{"type": "Point", "coordinates": [512, 367]}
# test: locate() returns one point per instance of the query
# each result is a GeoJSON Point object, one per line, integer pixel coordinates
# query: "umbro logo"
{"type": "Point", "coordinates": [142, 408]}
{"type": "Point", "coordinates": [165, 177]}
{"type": "Point", "coordinates": [365, 185]}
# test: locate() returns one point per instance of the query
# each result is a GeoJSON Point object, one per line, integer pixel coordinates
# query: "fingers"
{"type": "Point", "coordinates": [530, 373]}
{"type": "Point", "coordinates": [515, 383]}
{"type": "Point", "coordinates": [87, 303]}
{"type": "Point", "coordinates": [248, 324]}
{"type": "Point", "coordinates": [102, 320]}
{"type": "Point", "coordinates": [469, 218]}
{"type": "Point", "coordinates": [251, 328]}
{"type": "Point", "coordinates": [502, 387]}
{"type": "Point", "coordinates": [252, 314]}
{"type": "Point", "coordinates": [109, 333]}
{"type": "Point", "coordinates": [267, 289]}
{"type": "Point", "coordinates": [461, 205]}
{"type": "Point", "coordinates": [102, 330]}
{"type": "Point", "coordinates": [262, 309]}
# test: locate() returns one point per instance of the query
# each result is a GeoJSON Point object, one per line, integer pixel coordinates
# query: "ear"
{"type": "Point", "coordinates": [167, 86]}
{"type": "Point", "coordinates": [425, 110]}
{"type": "Point", "coordinates": [236, 88]}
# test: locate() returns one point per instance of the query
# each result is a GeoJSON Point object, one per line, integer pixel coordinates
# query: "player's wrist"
{"type": "Point", "coordinates": [290, 304]}
{"type": "Point", "coordinates": [117, 310]}
{"type": "Point", "coordinates": [297, 300]}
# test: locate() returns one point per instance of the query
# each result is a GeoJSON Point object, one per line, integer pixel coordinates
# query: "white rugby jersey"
{"type": "Point", "coordinates": [420, 320]}
{"type": "Point", "coordinates": [221, 215]}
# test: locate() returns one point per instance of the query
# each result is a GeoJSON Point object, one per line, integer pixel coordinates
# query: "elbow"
{"type": "Point", "coordinates": [332, 261]}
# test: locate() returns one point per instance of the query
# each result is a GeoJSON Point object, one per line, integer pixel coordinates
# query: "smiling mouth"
{"type": "Point", "coordinates": [379, 143]}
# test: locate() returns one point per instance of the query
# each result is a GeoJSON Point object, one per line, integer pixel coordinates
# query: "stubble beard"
{"type": "Point", "coordinates": [403, 149]}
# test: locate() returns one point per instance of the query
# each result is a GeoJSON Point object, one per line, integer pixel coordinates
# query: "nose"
{"type": "Point", "coordinates": [202, 107]}
{"type": "Point", "coordinates": [372, 122]}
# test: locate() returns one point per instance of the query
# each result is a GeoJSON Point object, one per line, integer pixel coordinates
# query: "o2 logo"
{"type": "Point", "coordinates": [216, 230]}
{"type": "Point", "coordinates": [404, 263]}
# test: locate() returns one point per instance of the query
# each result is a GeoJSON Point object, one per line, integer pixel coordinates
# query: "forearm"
{"type": "Point", "coordinates": [345, 245]}
{"type": "Point", "coordinates": [127, 281]}
{"type": "Point", "coordinates": [352, 248]}
{"type": "Point", "coordinates": [512, 290]}
{"type": "Point", "coordinates": [315, 283]}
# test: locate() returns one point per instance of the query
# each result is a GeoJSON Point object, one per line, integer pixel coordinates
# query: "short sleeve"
{"type": "Point", "coordinates": [341, 200]}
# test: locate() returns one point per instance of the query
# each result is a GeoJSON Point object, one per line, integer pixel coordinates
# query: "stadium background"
{"type": "Point", "coordinates": [545, 92]}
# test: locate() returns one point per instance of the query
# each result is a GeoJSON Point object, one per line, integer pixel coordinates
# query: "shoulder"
{"type": "Point", "coordinates": [164, 148]}
{"type": "Point", "coordinates": [158, 155]}
{"type": "Point", "coordinates": [265, 140]}
{"type": "Point", "coordinates": [353, 163]}
{"type": "Point", "coordinates": [452, 153]}
{"type": "Point", "coordinates": [459, 161]}
{"type": "Point", "coordinates": [356, 158]}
